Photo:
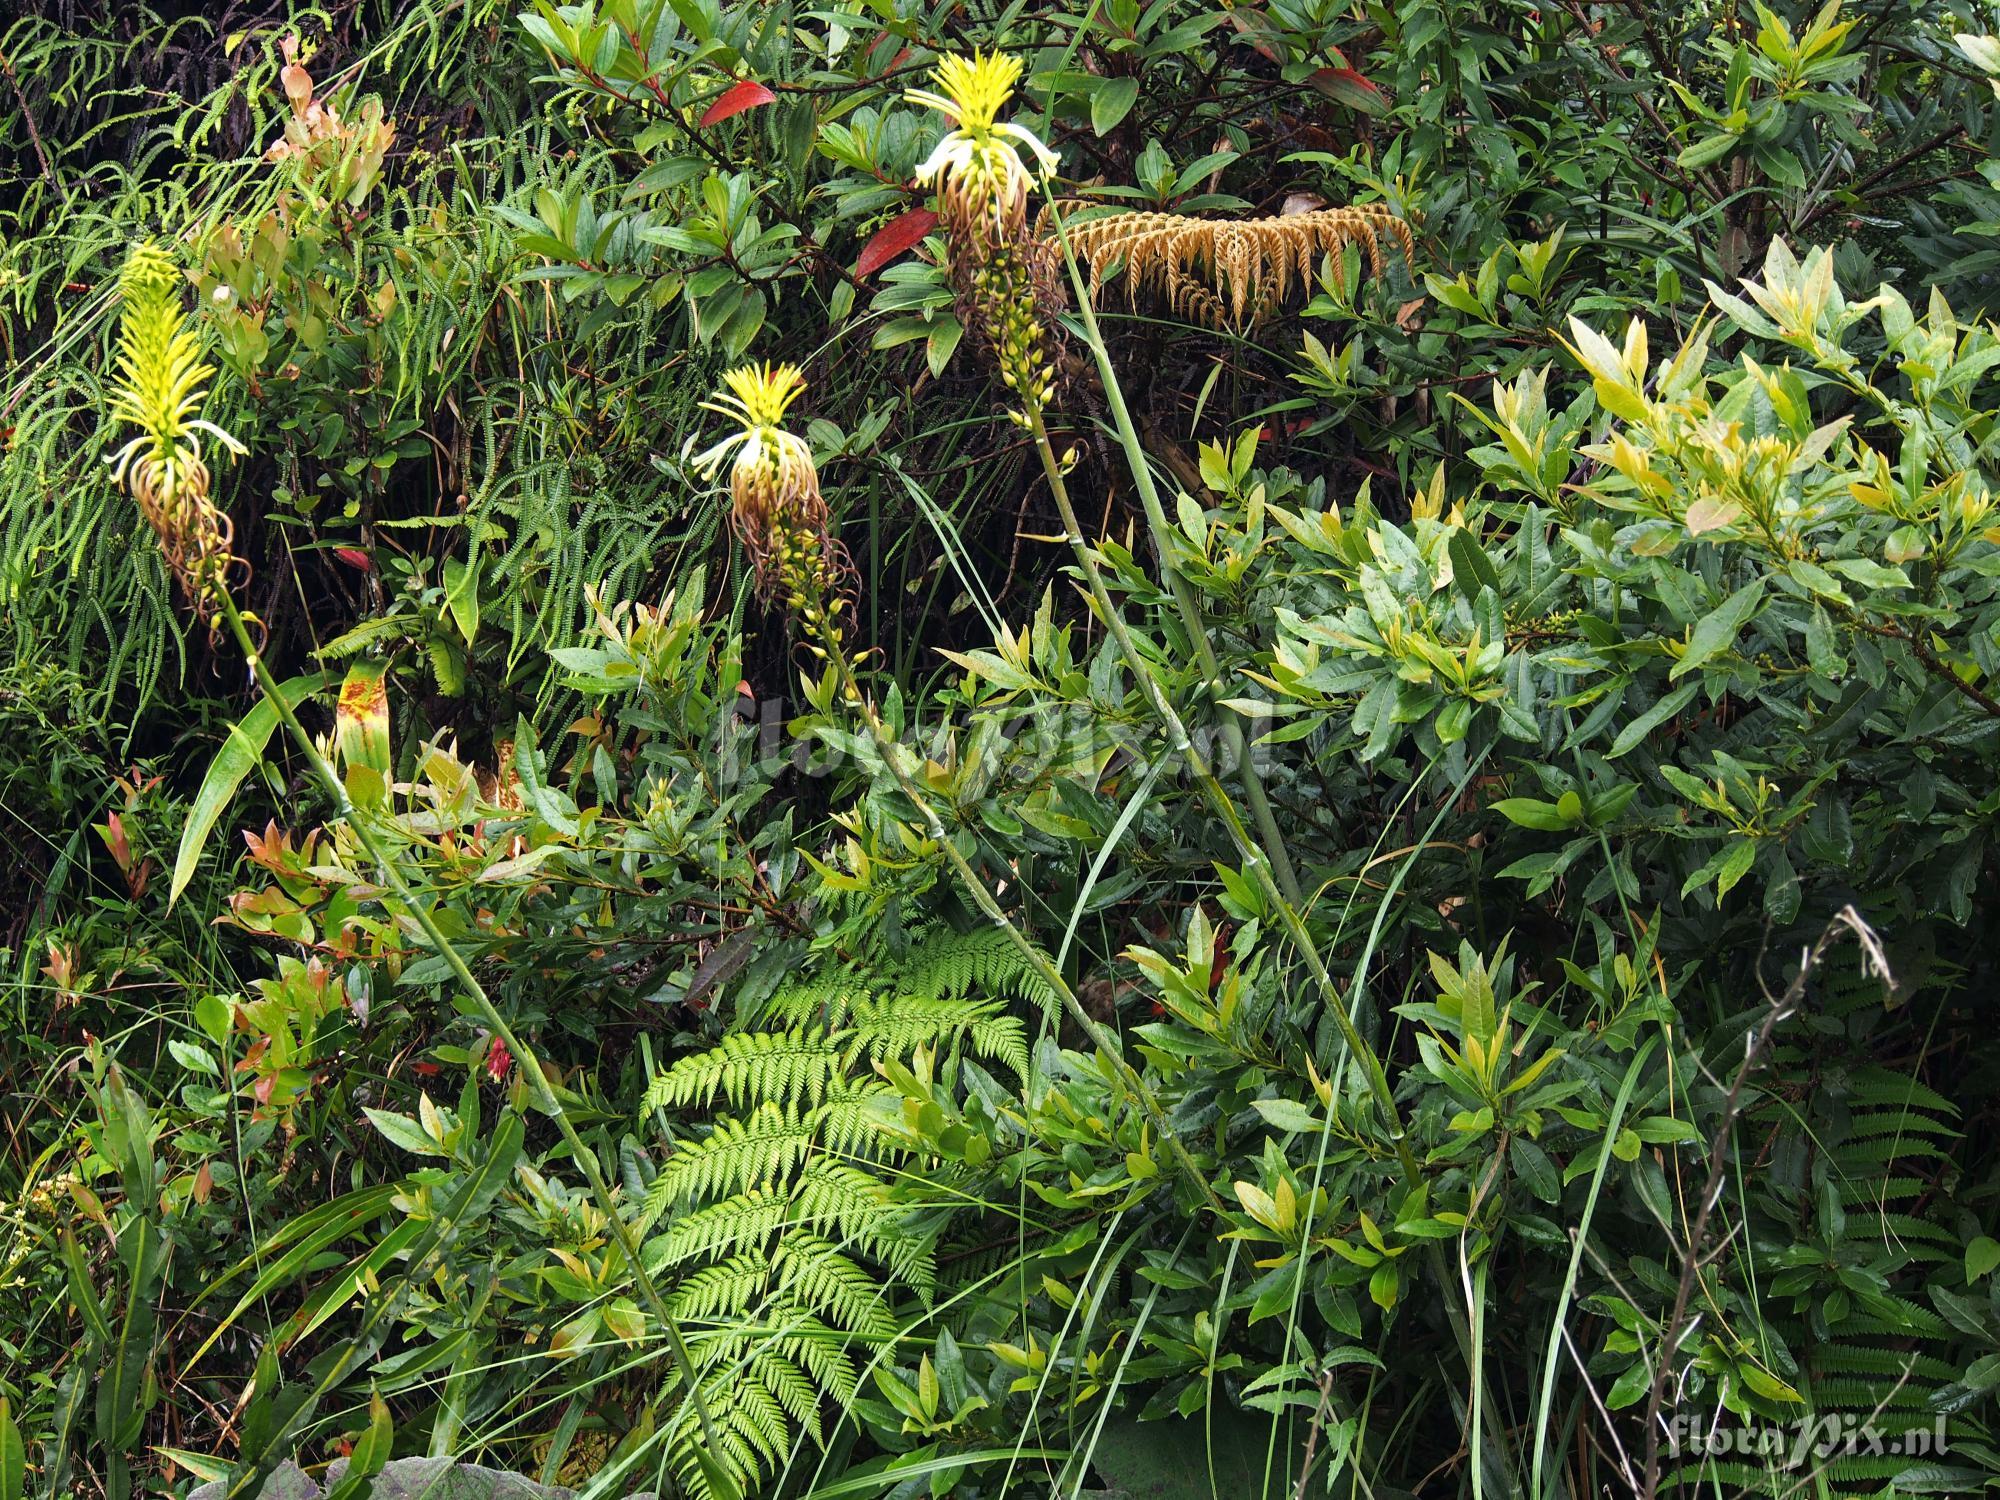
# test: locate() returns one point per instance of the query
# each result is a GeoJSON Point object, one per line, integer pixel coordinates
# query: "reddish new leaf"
{"type": "Point", "coordinates": [1255, 28]}
{"type": "Point", "coordinates": [1345, 86]}
{"type": "Point", "coordinates": [892, 239]}
{"type": "Point", "coordinates": [735, 99]}
{"type": "Point", "coordinates": [902, 56]}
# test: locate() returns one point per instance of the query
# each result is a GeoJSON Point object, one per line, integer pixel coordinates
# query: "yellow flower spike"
{"type": "Point", "coordinates": [978, 166]}
{"type": "Point", "coordinates": [773, 469]}
{"type": "Point", "coordinates": [159, 388]}
{"type": "Point", "coordinates": [777, 511]}
{"type": "Point", "coordinates": [161, 376]}
{"type": "Point", "coordinates": [972, 90]}
{"type": "Point", "coordinates": [1007, 280]}
{"type": "Point", "coordinates": [758, 395]}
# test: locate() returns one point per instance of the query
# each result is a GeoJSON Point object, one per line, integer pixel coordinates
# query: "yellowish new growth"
{"type": "Point", "coordinates": [1227, 273]}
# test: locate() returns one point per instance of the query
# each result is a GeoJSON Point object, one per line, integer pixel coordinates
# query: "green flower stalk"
{"type": "Point", "coordinates": [161, 386]}
{"type": "Point", "coordinates": [978, 170]}
{"type": "Point", "coordinates": [778, 509]}
{"type": "Point", "coordinates": [1009, 292]}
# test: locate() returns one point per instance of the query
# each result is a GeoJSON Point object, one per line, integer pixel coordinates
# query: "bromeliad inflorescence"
{"type": "Point", "coordinates": [160, 388]}
{"type": "Point", "coordinates": [1004, 276]}
{"type": "Point", "coordinates": [982, 175]}
{"type": "Point", "coordinates": [776, 510]}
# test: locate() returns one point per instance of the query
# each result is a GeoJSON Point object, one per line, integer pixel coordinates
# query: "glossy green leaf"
{"type": "Point", "coordinates": [237, 758]}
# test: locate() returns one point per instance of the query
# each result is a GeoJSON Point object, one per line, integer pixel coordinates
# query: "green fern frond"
{"type": "Point", "coordinates": [1905, 1228]}
{"type": "Point", "coordinates": [1886, 1087]}
{"type": "Point", "coordinates": [775, 1218]}
{"type": "Point", "coordinates": [821, 1351]}
{"type": "Point", "coordinates": [831, 1284]}
{"type": "Point", "coordinates": [724, 1291]}
{"type": "Point", "coordinates": [850, 1121]}
{"type": "Point", "coordinates": [1843, 1358]}
{"type": "Point", "coordinates": [1863, 1158]}
{"type": "Point", "coordinates": [824, 999]}
{"type": "Point", "coordinates": [942, 965]}
{"type": "Point", "coordinates": [1913, 1320]}
{"type": "Point", "coordinates": [750, 1428]}
{"type": "Point", "coordinates": [785, 1066]}
{"type": "Point", "coordinates": [834, 1196]}
{"type": "Point", "coordinates": [1899, 1122]}
{"type": "Point", "coordinates": [1858, 1193]}
{"type": "Point", "coordinates": [896, 1025]}
{"type": "Point", "coordinates": [733, 1224]}
{"type": "Point", "coordinates": [737, 1155]}
{"type": "Point", "coordinates": [952, 965]}
{"type": "Point", "coordinates": [794, 1389]}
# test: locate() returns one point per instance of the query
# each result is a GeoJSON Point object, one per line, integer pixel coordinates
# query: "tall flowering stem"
{"type": "Point", "coordinates": [807, 584]}
{"type": "Point", "coordinates": [969, 169]}
{"type": "Point", "coordinates": [161, 386]}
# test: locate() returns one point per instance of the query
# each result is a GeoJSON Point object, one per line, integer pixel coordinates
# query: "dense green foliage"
{"type": "Point", "coordinates": [1434, 949]}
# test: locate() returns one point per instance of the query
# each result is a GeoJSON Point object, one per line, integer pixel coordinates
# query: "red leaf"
{"type": "Point", "coordinates": [354, 557]}
{"type": "Point", "coordinates": [1345, 86]}
{"type": "Point", "coordinates": [1256, 29]}
{"type": "Point", "coordinates": [115, 840]}
{"type": "Point", "coordinates": [735, 99]}
{"type": "Point", "coordinates": [892, 239]}
{"type": "Point", "coordinates": [901, 57]}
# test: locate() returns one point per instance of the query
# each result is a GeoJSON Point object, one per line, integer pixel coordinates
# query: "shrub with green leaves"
{"type": "Point", "coordinates": [678, 1049]}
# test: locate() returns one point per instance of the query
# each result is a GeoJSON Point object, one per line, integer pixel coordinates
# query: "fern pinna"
{"type": "Point", "coordinates": [1852, 1238]}
{"type": "Point", "coordinates": [773, 1217]}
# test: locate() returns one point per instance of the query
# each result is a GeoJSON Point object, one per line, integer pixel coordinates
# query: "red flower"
{"type": "Point", "coordinates": [498, 1060]}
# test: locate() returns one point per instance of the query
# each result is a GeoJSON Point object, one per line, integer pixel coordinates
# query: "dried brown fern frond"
{"type": "Point", "coordinates": [1227, 273]}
